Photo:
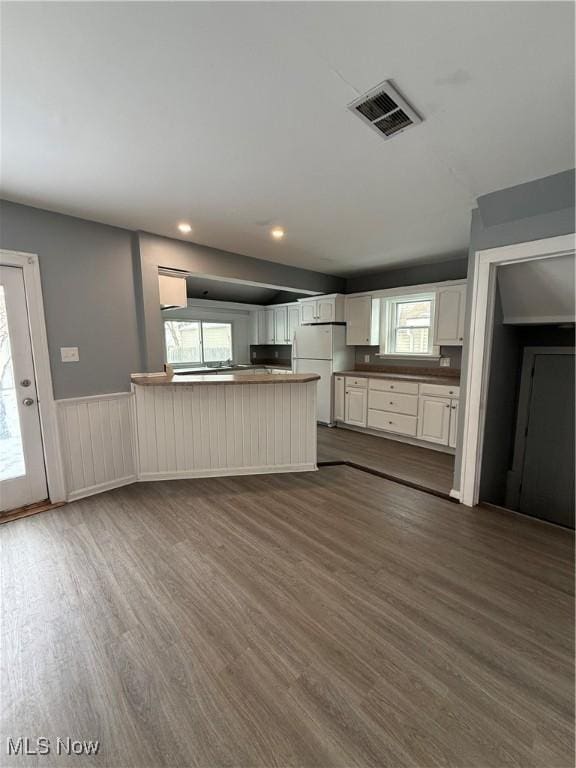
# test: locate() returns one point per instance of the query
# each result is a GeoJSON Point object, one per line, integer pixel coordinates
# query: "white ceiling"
{"type": "Point", "coordinates": [233, 116]}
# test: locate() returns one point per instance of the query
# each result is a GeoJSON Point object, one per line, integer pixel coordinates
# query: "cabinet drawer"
{"type": "Point", "coordinates": [392, 422]}
{"type": "Point", "coordinates": [440, 390]}
{"type": "Point", "coordinates": [353, 381]}
{"type": "Point", "coordinates": [394, 385]}
{"type": "Point", "coordinates": [392, 401]}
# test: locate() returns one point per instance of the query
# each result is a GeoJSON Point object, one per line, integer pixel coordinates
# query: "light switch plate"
{"type": "Point", "coordinates": [69, 354]}
{"type": "Point", "coordinates": [445, 362]}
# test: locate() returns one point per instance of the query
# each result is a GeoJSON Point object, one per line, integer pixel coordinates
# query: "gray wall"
{"type": "Point", "coordinates": [454, 269]}
{"type": "Point", "coordinates": [89, 296]}
{"type": "Point", "coordinates": [532, 211]}
{"type": "Point", "coordinates": [100, 291]}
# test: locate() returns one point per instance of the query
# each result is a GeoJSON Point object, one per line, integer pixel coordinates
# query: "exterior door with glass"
{"type": "Point", "coordinates": [22, 471]}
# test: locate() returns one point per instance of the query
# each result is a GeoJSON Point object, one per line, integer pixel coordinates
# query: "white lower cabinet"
{"type": "Point", "coordinates": [355, 400]}
{"type": "Point", "coordinates": [434, 419]}
{"type": "Point", "coordinates": [338, 398]}
{"type": "Point", "coordinates": [426, 411]}
{"type": "Point", "coordinates": [392, 422]}
{"type": "Point", "coordinates": [396, 403]}
{"type": "Point", "coordinates": [453, 423]}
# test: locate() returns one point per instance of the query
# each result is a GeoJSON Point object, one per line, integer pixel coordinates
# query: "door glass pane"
{"type": "Point", "coordinates": [11, 451]}
{"type": "Point", "coordinates": [217, 342]}
{"type": "Point", "coordinates": [182, 341]}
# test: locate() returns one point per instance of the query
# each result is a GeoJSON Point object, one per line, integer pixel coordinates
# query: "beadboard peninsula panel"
{"type": "Point", "coordinates": [201, 431]}
{"type": "Point", "coordinates": [98, 446]}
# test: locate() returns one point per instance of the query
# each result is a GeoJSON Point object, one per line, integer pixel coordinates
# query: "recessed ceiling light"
{"type": "Point", "coordinates": [184, 228]}
{"type": "Point", "coordinates": [277, 233]}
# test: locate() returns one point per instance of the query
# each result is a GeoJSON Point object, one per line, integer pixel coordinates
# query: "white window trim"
{"type": "Point", "coordinates": [387, 327]}
{"type": "Point", "coordinates": [202, 363]}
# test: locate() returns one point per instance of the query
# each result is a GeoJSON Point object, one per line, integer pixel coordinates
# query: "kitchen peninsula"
{"type": "Point", "coordinates": [224, 424]}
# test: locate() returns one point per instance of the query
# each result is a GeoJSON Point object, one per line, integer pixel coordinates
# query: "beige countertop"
{"type": "Point", "coordinates": [161, 379]}
{"type": "Point", "coordinates": [423, 378]}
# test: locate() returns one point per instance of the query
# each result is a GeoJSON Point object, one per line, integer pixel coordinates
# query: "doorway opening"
{"type": "Point", "coordinates": [519, 419]}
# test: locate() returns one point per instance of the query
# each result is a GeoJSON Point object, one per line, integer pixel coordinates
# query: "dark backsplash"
{"type": "Point", "coordinates": [454, 353]}
{"type": "Point", "coordinates": [281, 354]}
{"type": "Point", "coordinates": [271, 354]}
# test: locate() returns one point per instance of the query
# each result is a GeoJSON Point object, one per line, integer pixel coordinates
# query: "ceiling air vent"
{"type": "Point", "coordinates": [384, 109]}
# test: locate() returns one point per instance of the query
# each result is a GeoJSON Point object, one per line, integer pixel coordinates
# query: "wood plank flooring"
{"type": "Point", "coordinates": [422, 466]}
{"type": "Point", "coordinates": [329, 619]}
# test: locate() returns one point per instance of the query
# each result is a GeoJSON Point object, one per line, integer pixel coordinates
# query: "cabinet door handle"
{"type": "Point", "coordinates": [447, 406]}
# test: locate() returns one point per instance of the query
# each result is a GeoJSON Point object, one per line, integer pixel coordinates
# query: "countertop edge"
{"type": "Point", "coordinates": [160, 380]}
{"type": "Point", "coordinates": [424, 378]}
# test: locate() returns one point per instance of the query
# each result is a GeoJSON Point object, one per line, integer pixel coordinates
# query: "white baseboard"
{"type": "Point", "coordinates": [227, 472]}
{"type": "Point", "coordinates": [454, 494]}
{"type": "Point", "coordinates": [81, 493]}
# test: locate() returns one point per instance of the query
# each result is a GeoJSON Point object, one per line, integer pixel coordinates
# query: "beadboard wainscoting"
{"type": "Point", "coordinates": [202, 431]}
{"type": "Point", "coordinates": [98, 446]}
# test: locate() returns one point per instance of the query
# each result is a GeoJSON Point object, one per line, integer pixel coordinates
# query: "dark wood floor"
{"type": "Point", "coordinates": [423, 466]}
{"type": "Point", "coordinates": [328, 619]}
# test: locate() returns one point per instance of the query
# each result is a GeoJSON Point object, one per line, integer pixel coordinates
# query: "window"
{"type": "Point", "coordinates": [194, 342]}
{"type": "Point", "coordinates": [407, 325]}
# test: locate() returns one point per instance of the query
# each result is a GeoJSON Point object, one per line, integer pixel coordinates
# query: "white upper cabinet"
{"type": "Point", "coordinates": [262, 326]}
{"type": "Point", "coordinates": [293, 321]}
{"type": "Point", "coordinates": [275, 324]}
{"type": "Point", "coordinates": [269, 326]}
{"type": "Point", "coordinates": [324, 309]}
{"type": "Point", "coordinates": [280, 325]}
{"type": "Point", "coordinates": [450, 311]}
{"type": "Point", "coordinates": [362, 315]}
{"type": "Point", "coordinates": [308, 312]}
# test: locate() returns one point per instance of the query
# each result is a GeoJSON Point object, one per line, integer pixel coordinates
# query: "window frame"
{"type": "Point", "coordinates": [202, 363]}
{"type": "Point", "coordinates": [389, 326]}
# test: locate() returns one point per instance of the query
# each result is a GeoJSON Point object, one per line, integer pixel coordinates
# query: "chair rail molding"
{"type": "Point", "coordinates": [483, 291]}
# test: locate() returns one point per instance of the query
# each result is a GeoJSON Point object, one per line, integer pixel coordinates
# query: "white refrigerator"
{"type": "Point", "coordinates": [322, 349]}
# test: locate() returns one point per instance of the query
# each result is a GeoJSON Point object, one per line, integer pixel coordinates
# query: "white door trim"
{"type": "Point", "coordinates": [480, 343]}
{"type": "Point", "coordinates": [28, 262]}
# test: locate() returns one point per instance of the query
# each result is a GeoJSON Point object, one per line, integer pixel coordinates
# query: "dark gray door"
{"type": "Point", "coordinates": [547, 489]}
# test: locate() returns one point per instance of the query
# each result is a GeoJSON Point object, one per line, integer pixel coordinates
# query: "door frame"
{"type": "Point", "coordinates": [30, 266]}
{"type": "Point", "coordinates": [524, 400]}
{"type": "Point", "coordinates": [483, 293]}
